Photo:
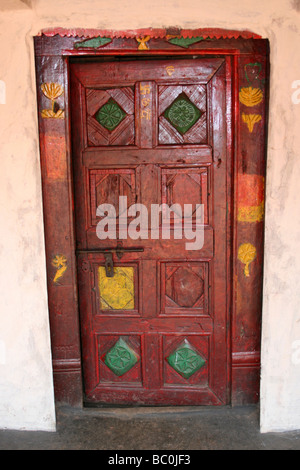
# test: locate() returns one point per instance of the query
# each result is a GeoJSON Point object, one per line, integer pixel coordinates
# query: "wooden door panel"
{"type": "Point", "coordinates": [119, 360]}
{"type": "Point", "coordinates": [187, 185]}
{"type": "Point", "coordinates": [184, 288]}
{"type": "Point", "coordinates": [126, 364]}
{"type": "Point", "coordinates": [106, 186]}
{"type": "Point", "coordinates": [153, 325]}
{"type": "Point", "coordinates": [146, 118]}
{"type": "Point", "coordinates": [186, 360]}
{"type": "Point", "coordinates": [178, 186]}
{"type": "Point", "coordinates": [118, 295]}
{"type": "Point", "coordinates": [110, 116]}
{"type": "Point", "coordinates": [182, 114]}
{"type": "Point", "coordinates": [175, 249]}
{"type": "Point", "coordinates": [198, 71]}
{"type": "Point", "coordinates": [155, 332]}
{"type": "Point", "coordinates": [196, 155]}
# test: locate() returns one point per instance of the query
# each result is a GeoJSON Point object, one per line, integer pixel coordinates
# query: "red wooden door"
{"type": "Point", "coordinates": [153, 131]}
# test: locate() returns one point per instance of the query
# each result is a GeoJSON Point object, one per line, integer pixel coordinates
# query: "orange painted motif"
{"type": "Point", "coordinates": [250, 198]}
{"type": "Point", "coordinates": [60, 263]}
{"type": "Point", "coordinates": [143, 43]}
{"type": "Point", "coordinates": [251, 120]}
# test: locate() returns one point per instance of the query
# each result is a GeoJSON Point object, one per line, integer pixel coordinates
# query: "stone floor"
{"type": "Point", "coordinates": [153, 429]}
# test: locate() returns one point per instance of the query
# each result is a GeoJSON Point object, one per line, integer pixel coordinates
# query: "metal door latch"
{"type": "Point", "coordinates": [109, 264]}
{"type": "Point", "coordinates": [108, 255]}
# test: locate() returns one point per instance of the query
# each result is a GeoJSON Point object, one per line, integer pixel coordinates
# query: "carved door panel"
{"type": "Point", "coordinates": [154, 325]}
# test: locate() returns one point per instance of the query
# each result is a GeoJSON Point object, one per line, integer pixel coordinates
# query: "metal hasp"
{"type": "Point", "coordinates": [109, 264]}
{"type": "Point", "coordinates": [108, 255]}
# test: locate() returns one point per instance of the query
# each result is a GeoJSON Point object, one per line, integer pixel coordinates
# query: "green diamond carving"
{"type": "Point", "coordinates": [121, 358]}
{"type": "Point", "coordinates": [185, 360]}
{"type": "Point", "coordinates": [110, 115]}
{"type": "Point", "coordinates": [182, 114]}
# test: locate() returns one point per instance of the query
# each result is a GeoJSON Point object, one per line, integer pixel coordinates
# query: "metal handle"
{"type": "Point", "coordinates": [109, 264]}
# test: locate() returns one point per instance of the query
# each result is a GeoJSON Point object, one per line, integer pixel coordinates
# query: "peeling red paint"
{"type": "Point", "coordinates": [217, 33]}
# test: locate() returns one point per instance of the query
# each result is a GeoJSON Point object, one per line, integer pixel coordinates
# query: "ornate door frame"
{"type": "Point", "coordinates": [249, 57]}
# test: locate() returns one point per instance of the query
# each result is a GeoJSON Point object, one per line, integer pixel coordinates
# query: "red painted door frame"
{"type": "Point", "coordinates": [249, 59]}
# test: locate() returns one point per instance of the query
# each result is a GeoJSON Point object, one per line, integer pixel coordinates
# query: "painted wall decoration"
{"type": "Point", "coordinates": [52, 91]}
{"type": "Point", "coordinates": [59, 262]}
{"type": "Point", "coordinates": [170, 69]}
{"type": "Point", "coordinates": [184, 42]}
{"type": "Point", "coordinates": [143, 46]}
{"type": "Point", "coordinates": [250, 96]}
{"type": "Point", "coordinates": [93, 43]}
{"type": "Point", "coordinates": [250, 120]}
{"type": "Point", "coordinates": [250, 198]}
{"type": "Point", "coordinates": [246, 254]}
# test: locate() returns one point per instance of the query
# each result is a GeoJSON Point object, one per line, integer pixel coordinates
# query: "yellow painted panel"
{"type": "Point", "coordinates": [117, 292]}
{"type": "Point", "coordinates": [251, 213]}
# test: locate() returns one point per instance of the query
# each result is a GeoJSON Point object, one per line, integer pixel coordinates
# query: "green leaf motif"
{"type": "Point", "coordinates": [93, 43]}
{"type": "Point", "coordinates": [185, 42]}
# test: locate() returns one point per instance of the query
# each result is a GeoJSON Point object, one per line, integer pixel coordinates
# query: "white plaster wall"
{"type": "Point", "coordinates": [26, 391]}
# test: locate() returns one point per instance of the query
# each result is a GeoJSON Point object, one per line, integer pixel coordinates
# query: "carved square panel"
{"type": "Point", "coordinates": [106, 186]}
{"type": "Point", "coordinates": [117, 292]}
{"type": "Point", "coordinates": [184, 288]}
{"type": "Point", "coordinates": [186, 186]}
{"type": "Point", "coordinates": [110, 116]}
{"type": "Point", "coordinates": [119, 359]}
{"type": "Point", "coordinates": [182, 114]}
{"type": "Point", "coordinates": [112, 296]}
{"type": "Point", "coordinates": [186, 360]}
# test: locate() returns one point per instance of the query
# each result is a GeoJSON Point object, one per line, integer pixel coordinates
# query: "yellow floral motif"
{"type": "Point", "coordinates": [251, 96]}
{"type": "Point", "coordinates": [59, 262]}
{"type": "Point", "coordinates": [52, 91]}
{"type": "Point", "coordinates": [142, 43]}
{"type": "Point", "coordinates": [117, 292]}
{"type": "Point", "coordinates": [246, 254]}
{"type": "Point", "coordinates": [48, 113]}
{"type": "Point", "coordinates": [250, 120]}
